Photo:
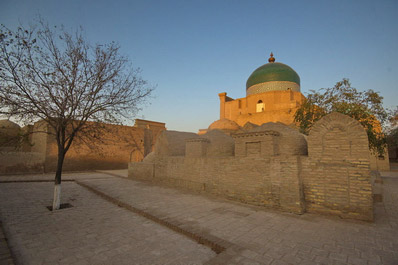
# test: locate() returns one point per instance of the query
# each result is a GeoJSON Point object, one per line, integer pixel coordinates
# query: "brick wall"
{"type": "Point", "coordinates": [21, 162]}
{"type": "Point", "coordinates": [196, 147]}
{"type": "Point", "coordinates": [279, 106]}
{"type": "Point", "coordinates": [272, 166]}
{"type": "Point", "coordinates": [380, 163]}
{"type": "Point", "coordinates": [336, 176]}
{"type": "Point", "coordinates": [115, 147]}
{"type": "Point", "coordinates": [257, 174]}
{"type": "Point", "coordinates": [257, 144]}
{"type": "Point", "coordinates": [273, 182]}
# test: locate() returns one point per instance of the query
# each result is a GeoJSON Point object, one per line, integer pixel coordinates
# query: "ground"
{"type": "Point", "coordinates": [115, 220]}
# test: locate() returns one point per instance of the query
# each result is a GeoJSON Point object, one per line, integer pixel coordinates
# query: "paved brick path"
{"type": "Point", "coordinates": [95, 231]}
{"type": "Point", "coordinates": [5, 254]}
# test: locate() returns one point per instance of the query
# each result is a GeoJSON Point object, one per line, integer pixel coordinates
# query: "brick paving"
{"type": "Point", "coordinates": [97, 231]}
{"type": "Point", "coordinates": [5, 254]}
{"type": "Point", "coordinates": [94, 231]}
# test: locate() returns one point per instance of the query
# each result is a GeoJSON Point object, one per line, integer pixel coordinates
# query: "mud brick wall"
{"type": "Point", "coordinates": [117, 146]}
{"type": "Point", "coordinates": [272, 165]}
{"type": "Point", "coordinates": [196, 147]}
{"type": "Point", "coordinates": [336, 175]}
{"type": "Point", "coordinates": [263, 144]}
{"type": "Point", "coordinates": [270, 182]}
{"type": "Point", "coordinates": [140, 170]}
{"type": "Point", "coordinates": [255, 173]}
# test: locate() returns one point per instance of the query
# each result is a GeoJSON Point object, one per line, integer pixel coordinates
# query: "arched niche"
{"type": "Point", "coordinates": [260, 106]}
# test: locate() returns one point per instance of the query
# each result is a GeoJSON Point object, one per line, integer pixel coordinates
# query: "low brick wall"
{"type": "Point", "coordinates": [275, 166]}
{"type": "Point", "coordinates": [140, 170]}
{"type": "Point", "coordinates": [271, 182]}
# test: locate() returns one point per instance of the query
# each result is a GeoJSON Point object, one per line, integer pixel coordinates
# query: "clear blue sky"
{"type": "Point", "coordinates": [193, 50]}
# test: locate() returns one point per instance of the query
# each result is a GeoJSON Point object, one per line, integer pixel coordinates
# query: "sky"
{"type": "Point", "coordinates": [193, 50]}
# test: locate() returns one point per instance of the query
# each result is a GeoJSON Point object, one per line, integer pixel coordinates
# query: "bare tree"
{"type": "Point", "coordinates": [50, 74]}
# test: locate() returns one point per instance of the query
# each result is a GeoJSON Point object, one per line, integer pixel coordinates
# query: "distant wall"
{"type": "Point", "coordinates": [393, 152]}
{"type": "Point", "coordinates": [40, 138]}
{"type": "Point", "coordinates": [21, 162]}
{"type": "Point", "coordinates": [117, 146]}
{"type": "Point", "coordinates": [22, 157]}
{"type": "Point", "coordinates": [380, 163]}
{"type": "Point", "coordinates": [110, 148]}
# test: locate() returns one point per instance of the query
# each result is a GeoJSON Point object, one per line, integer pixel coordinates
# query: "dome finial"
{"type": "Point", "coordinates": [271, 58]}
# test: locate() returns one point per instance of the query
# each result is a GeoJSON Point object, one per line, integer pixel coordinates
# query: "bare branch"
{"type": "Point", "coordinates": [53, 75]}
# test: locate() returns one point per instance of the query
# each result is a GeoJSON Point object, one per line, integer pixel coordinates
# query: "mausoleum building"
{"type": "Point", "coordinates": [272, 95]}
{"type": "Point", "coordinates": [255, 154]}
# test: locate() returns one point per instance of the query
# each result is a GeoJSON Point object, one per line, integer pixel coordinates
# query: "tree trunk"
{"type": "Point", "coordinates": [57, 182]}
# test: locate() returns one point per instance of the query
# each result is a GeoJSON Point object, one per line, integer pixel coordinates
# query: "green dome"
{"type": "Point", "coordinates": [272, 72]}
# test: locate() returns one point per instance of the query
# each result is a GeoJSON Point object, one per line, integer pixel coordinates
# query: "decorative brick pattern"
{"type": "Point", "coordinates": [272, 86]}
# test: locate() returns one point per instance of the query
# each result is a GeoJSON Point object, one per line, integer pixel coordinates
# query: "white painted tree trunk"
{"type": "Point", "coordinates": [57, 197]}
